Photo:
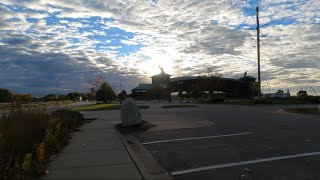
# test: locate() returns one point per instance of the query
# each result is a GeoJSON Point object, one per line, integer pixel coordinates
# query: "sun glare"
{"type": "Point", "coordinates": [153, 66]}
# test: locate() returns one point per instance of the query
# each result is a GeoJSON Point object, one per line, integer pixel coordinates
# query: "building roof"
{"type": "Point", "coordinates": [184, 78]}
{"type": "Point", "coordinates": [161, 74]}
{"type": "Point", "coordinates": [143, 87]}
{"type": "Point", "coordinates": [198, 77]}
{"type": "Point", "coordinates": [248, 78]}
{"type": "Point", "coordinates": [240, 80]}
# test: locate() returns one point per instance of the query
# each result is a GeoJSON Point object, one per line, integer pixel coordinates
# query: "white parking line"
{"type": "Point", "coordinates": [205, 137]}
{"type": "Point", "coordinates": [243, 163]}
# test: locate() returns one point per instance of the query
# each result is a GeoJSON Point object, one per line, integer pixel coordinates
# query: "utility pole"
{"type": "Point", "coordinates": [258, 52]}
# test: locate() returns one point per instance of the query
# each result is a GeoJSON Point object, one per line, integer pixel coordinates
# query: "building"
{"type": "Point", "coordinates": [143, 91]}
{"type": "Point", "coordinates": [245, 86]}
{"type": "Point", "coordinates": [162, 79]}
{"type": "Point", "coordinates": [279, 94]}
{"type": "Point", "coordinates": [242, 87]}
{"type": "Point", "coordinates": [157, 90]}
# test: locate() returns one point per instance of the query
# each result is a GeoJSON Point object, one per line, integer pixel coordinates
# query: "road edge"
{"type": "Point", "coordinates": [146, 165]}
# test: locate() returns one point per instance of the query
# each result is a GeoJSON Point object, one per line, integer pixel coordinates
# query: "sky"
{"type": "Point", "coordinates": [45, 44]}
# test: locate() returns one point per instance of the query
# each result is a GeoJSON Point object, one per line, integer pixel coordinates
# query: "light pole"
{"type": "Point", "coordinates": [258, 52]}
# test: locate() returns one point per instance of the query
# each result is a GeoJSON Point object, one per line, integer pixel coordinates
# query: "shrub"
{"type": "Point", "coordinates": [312, 99]}
{"type": "Point", "coordinates": [29, 138]}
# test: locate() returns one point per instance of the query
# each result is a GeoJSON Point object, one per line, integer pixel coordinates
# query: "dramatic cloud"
{"type": "Point", "coordinates": [126, 40]}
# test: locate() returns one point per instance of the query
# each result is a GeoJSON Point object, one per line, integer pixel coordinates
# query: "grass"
{"type": "Point", "coordinates": [232, 102]}
{"type": "Point", "coordinates": [101, 107]}
{"type": "Point", "coordinates": [287, 101]}
{"type": "Point", "coordinates": [303, 110]}
{"type": "Point", "coordinates": [178, 106]}
{"type": "Point", "coordinates": [279, 101]}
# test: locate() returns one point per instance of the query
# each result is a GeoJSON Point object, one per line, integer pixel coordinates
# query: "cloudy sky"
{"type": "Point", "coordinates": [43, 42]}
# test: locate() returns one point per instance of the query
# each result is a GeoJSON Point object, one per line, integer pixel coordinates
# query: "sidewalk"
{"type": "Point", "coordinates": [95, 152]}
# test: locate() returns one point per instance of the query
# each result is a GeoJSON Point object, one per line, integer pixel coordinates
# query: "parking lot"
{"type": "Point", "coordinates": [233, 142]}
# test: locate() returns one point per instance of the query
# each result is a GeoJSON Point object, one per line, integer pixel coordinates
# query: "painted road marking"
{"type": "Point", "coordinates": [243, 163]}
{"type": "Point", "coordinates": [205, 137]}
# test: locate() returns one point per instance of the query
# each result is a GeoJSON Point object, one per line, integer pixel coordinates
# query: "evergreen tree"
{"type": "Point", "coordinates": [105, 93]}
{"type": "Point", "coordinates": [5, 95]}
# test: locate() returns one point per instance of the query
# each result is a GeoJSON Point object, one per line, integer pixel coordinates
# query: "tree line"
{"type": "Point", "coordinates": [104, 93]}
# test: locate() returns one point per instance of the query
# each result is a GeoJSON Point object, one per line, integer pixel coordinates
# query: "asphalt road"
{"type": "Point", "coordinates": [251, 142]}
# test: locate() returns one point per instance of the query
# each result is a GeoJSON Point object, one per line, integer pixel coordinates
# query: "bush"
{"type": "Point", "coordinates": [29, 138]}
{"type": "Point", "coordinates": [311, 99]}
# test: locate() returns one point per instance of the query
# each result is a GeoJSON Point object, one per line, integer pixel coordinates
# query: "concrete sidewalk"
{"type": "Point", "coordinates": [95, 152]}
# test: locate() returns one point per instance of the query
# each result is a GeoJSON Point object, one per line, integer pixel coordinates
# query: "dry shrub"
{"type": "Point", "coordinates": [29, 138]}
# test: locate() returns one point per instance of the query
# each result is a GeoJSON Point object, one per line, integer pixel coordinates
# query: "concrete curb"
{"type": "Point", "coordinates": [147, 166]}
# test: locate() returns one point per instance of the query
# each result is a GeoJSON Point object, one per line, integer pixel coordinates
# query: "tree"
{"type": "Point", "coordinates": [5, 95]}
{"type": "Point", "coordinates": [49, 97]}
{"type": "Point", "coordinates": [23, 97]}
{"type": "Point", "coordinates": [62, 97]}
{"type": "Point", "coordinates": [279, 92]}
{"type": "Point", "coordinates": [124, 93]}
{"type": "Point", "coordinates": [122, 96]}
{"type": "Point", "coordinates": [211, 74]}
{"type": "Point", "coordinates": [105, 93]}
{"type": "Point", "coordinates": [90, 96]}
{"type": "Point", "coordinates": [302, 93]}
{"type": "Point", "coordinates": [73, 95]}
{"type": "Point", "coordinates": [196, 91]}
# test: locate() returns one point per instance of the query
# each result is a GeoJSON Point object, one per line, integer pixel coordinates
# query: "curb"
{"type": "Point", "coordinates": [146, 165]}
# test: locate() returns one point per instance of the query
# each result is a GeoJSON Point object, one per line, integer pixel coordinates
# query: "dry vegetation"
{"type": "Point", "coordinates": [30, 138]}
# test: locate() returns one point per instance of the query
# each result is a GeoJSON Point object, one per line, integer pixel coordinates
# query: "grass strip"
{"type": "Point", "coordinates": [179, 106]}
{"type": "Point", "coordinates": [103, 107]}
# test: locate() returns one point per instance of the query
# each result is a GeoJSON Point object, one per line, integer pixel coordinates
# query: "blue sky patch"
{"type": "Point", "coordinates": [285, 21]}
{"type": "Point", "coordinates": [32, 20]}
{"type": "Point", "coordinates": [250, 9]}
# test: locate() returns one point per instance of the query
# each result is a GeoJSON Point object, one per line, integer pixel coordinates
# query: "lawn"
{"type": "Point", "coordinates": [282, 101]}
{"type": "Point", "coordinates": [178, 106]}
{"type": "Point", "coordinates": [101, 107]}
{"type": "Point", "coordinates": [303, 110]}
